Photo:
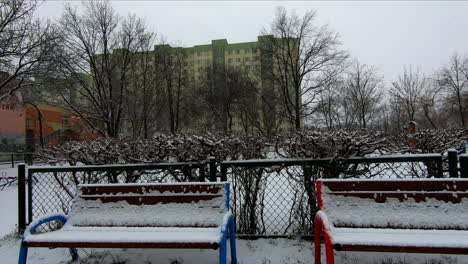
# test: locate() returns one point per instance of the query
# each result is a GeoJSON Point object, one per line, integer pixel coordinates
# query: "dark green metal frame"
{"type": "Point", "coordinates": [25, 198]}
{"type": "Point", "coordinates": [353, 160]}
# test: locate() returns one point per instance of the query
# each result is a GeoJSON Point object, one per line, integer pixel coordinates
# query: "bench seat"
{"type": "Point", "coordinates": [115, 237]}
{"type": "Point", "coordinates": [394, 215]}
{"type": "Point", "coordinates": [391, 240]}
{"type": "Point", "coordinates": [175, 215]}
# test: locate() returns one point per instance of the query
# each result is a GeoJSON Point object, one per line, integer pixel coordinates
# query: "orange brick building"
{"type": "Point", "coordinates": [58, 126]}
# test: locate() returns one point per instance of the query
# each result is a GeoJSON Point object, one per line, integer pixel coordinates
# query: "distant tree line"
{"type": "Point", "coordinates": [102, 67]}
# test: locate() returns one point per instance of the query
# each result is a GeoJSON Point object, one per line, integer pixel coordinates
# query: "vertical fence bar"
{"type": "Point", "coordinates": [440, 169]}
{"type": "Point", "coordinates": [21, 198]}
{"type": "Point", "coordinates": [223, 172]}
{"type": "Point", "coordinates": [30, 196]}
{"type": "Point", "coordinates": [453, 163]}
{"type": "Point", "coordinates": [464, 166]}
{"type": "Point", "coordinates": [12, 160]}
{"type": "Point", "coordinates": [202, 173]}
{"type": "Point", "coordinates": [212, 169]}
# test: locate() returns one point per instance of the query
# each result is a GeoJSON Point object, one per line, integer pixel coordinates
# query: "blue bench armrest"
{"type": "Point", "coordinates": [45, 219]}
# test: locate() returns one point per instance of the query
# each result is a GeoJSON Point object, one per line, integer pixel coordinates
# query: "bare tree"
{"type": "Point", "coordinates": [331, 107]}
{"type": "Point", "coordinates": [364, 91]}
{"type": "Point", "coordinates": [170, 74]}
{"type": "Point", "coordinates": [299, 57]}
{"type": "Point", "coordinates": [26, 44]}
{"type": "Point", "coordinates": [428, 102]}
{"type": "Point", "coordinates": [144, 91]}
{"type": "Point", "coordinates": [94, 61]}
{"type": "Point", "coordinates": [230, 95]}
{"type": "Point", "coordinates": [454, 78]}
{"type": "Point", "coordinates": [407, 91]}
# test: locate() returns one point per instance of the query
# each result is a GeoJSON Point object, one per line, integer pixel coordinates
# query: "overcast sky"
{"type": "Point", "coordinates": [386, 34]}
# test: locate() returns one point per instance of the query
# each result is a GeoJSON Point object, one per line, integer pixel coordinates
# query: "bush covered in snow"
{"type": "Point", "coordinates": [338, 145]}
{"type": "Point", "coordinates": [160, 148]}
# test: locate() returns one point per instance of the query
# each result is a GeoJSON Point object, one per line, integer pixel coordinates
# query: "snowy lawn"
{"type": "Point", "coordinates": [8, 202]}
{"type": "Point", "coordinates": [261, 251]}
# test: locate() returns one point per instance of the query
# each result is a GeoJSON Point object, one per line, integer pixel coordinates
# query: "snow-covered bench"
{"type": "Point", "coordinates": [187, 215]}
{"type": "Point", "coordinates": [411, 215]}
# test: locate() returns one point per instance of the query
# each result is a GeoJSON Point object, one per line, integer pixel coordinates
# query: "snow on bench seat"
{"type": "Point", "coordinates": [183, 215]}
{"type": "Point", "coordinates": [149, 205]}
{"type": "Point", "coordinates": [410, 215]}
{"type": "Point", "coordinates": [138, 237]}
{"type": "Point", "coordinates": [372, 239]}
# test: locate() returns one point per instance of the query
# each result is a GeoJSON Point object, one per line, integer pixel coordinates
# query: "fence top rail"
{"type": "Point", "coordinates": [324, 161]}
{"type": "Point", "coordinates": [115, 167]}
{"type": "Point", "coordinates": [399, 180]}
{"type": "Point", "coordinates": [16, 153]}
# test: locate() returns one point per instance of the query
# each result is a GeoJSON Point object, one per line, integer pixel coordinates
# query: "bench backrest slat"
{"type": "Point", "coordinates": [150, 199]}
{"type": "Point", "coordinates": [92, 189]}
{"type": "Point", "coordinates": [414, 203]}
{"type": "Point", "coordinates": [397, 185]}
{"type": "Point", "coordinates": [178, 205]}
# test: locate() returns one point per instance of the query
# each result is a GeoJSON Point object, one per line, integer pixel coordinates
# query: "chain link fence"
{"type": "Point", "coordinates": [51, 189]}
{"type": "Point", "coordinates": [269, 198]}
{"type": "Point", "coordinates": [278, 197]}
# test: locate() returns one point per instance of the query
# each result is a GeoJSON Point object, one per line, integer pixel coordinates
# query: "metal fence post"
{"type": "Point", "coordinates": [21, 198]}
{"type": "Point", "coordinates": [464, 166]}
{"type": "Point", "coordinates": [30, 197]}
{"type": "Point", "coordinates": [453, 163]}
{"type": "Point", "coordinates": [223, 172]}
{"type": "Point", "coordinates": [440, 169]}
{"type": "Point", "coordinates": [202, 172]}
{"type": "Point", "coordinates": [12, 160]}
{"type": "Point", "coordinates": [212, 169]}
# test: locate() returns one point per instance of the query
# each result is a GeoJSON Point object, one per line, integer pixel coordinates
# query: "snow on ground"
{"type": "Point", "coordinates": [8, 202]}
{"type": "Point", "coordinates": [261, 251]}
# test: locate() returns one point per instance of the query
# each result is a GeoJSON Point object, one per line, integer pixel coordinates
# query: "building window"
{"type": "Point", "coordinates": [200, 62]}
{"type": "Point", "coordinates": [192, 63]}
{"type": "Point", "coordinates": [237, 51]}
{"type": "Point", "coordinates": [185, 72]}
{"type": "Point", "coordinates": [207, 61]}
{"type": "Point", "coordinates": [30, 123]}
{"type": "Point", "coordinates": [199, 54]}
{"type": "Point", "coordinates": [207, 53]}
{"type": "Point", "coordinates": [247, 51]}
{"type": "Point", "coordinates": [238, 59]}
{"type": "Point", "coordinates": [193, 78]}
{"type": "Point", "coordinates": [229, 60]}
{"type": "Point", "coordinates": [247, 59]}
{"type": "Point", "coordinates": [200, 69]}
{"type": "Point", "coordinates": [255, 58]}
{"type": "Point", "coordinates": [229, 52]}
{"type": "Point", "coordinates": [185, 63]}
{"type": "Point", "coordinates": [207, 69]}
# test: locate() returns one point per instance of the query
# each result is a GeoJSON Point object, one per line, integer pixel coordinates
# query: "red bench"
{"type": "Point", "coordinates": [188, 215]}
{"type": "Point", "coordinates": [410, 215]}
